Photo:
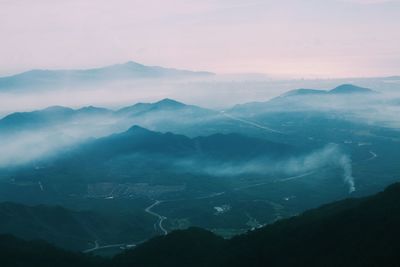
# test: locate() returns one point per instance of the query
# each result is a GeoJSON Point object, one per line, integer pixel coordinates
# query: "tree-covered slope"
{"type": "Point", "coordinates": [15, 252]}
{"type": "Point", "coordinates": [353, 232]}
{"type": "Point", "coordinates": [70, 229]}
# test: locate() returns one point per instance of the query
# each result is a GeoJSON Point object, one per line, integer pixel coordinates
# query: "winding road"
{"type": "Point", "coordinates": [160, 217]}
{"type": "Point", "coordinates": [373, 155]}
{"type": "Point", "coordinates": [123, 245]}
{"type": "Point", "coordinates": [254, 124]}
{"type": "Point", "coordinates": [98, 247]}
{"type": "Point", "coordinates": [275, 181]}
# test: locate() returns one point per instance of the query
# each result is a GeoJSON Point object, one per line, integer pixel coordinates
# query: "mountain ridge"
{"type": "Point", "coordinates": [350, 232]}
{"type": "Point", "coordinates": [70, 229]}
{"type": "Point", "coordinates": [43, 78]}
{"type": "Point", "coordinates": [341, 89]}
{"type": "Point", "coordinates": [304, 98]}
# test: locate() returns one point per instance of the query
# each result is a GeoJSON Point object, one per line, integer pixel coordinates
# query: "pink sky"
{"type": "Point", "coordinates": [328, 38]}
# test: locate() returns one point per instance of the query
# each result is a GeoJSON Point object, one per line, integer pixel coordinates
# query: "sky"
{"type": "Point", "coordinates": [307, 38]}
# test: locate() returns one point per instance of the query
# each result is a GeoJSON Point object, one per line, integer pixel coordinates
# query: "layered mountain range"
{"type": "Point", "coordinates": [105, 180]}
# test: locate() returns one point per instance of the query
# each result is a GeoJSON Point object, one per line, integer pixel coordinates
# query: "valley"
{"type": "Point", "coordinates": [210, 133]}
{"type": "Point", "coordinates": [244, 168]}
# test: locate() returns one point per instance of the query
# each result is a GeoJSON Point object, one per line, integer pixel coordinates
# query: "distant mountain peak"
{"type": "Point", "coordinates": [125, 71]}
{"type": "Point", "coordinates": [303, 91]}
{"type": "Point", "coordinates": [93, 109]}
{"type": "Point", "coordinates": [138, 129]}
{"type": "Point", "coordinates": [57, 109]}
{"type": "Point", "coordinates": [341, 89]}
{"type": "Point", "coordinates": [350, 89]}
{"type": "Point", "coordinates": [132, 63]}
{"type": "Point", "coordinates": [130, 66]}
{"type": "Point", "coordinates": [168, 102]}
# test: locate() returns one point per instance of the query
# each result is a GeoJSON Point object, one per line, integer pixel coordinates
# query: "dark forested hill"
{"type": "Point", "coordinates": [18, 253]}
{"type": "Point", "coordinates": [353, 232]}
{"type": "Point", "coordinates": [133, 155]}
{"type": "Point", "coordinates": [74, 230]}
{"type": "Point", "coordinates": [141, 140]}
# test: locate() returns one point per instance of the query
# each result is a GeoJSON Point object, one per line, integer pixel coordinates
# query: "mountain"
{"type": "Point", "coordinates": [164, 105]}
{"type": "Point", "coordinates": [351, 232]}
{"type": "Point", "coordinates": [166, 115]}
{"type": "Point", "coordinates": [48, 117]}
{"type": "Point", "coordinates": [169, 115]}
{"type": "Point", "coordinates": [141, 163]}
{"type": "Point", "coordinates": [25, 120]}
{"type": "Point", "coordinates": [27, 136]}
{"type": "Point", "coordinates": [351, 89]}
{"type": "Point", "coordinates": [341, 89]}
{"type": "Point", "coordinates": [138, 140]}
{"type": "Point", "coordinates": [57, 128]}
{"type": "Point", "coordinates": [167, 112]}
{"type": "Point", "coordinates": [60, 78]}
{"type": "Point", "coordinates": [339, 98]}
{"type": "Point", "coordinates": [304, 92]}
{"type": "Point", "coordinates": [193, 247]}
{"type": "Point", "coordinates": [142, 156]}
{"type": "Point", "coordinates": [69, 229]}
{"type": "Point", "coordinates": [15, 252]}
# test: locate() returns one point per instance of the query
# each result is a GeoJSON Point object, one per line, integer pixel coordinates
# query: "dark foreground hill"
{"type": "Point", "coordinates": [69, 229]}
{"type": "Point", "coordinates": [18, 253]}
{"type": "Point", "coordinates": [353, 232]}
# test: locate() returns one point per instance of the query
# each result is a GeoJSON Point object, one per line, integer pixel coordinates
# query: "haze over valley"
{"type": "Point", "coordinates": [199, 133]}
{"type": "Point", "coordinates": [150, 168]}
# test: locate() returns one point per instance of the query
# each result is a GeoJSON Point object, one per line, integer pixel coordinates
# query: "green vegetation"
{"type": "Point", "coordinates": [74, 230]}
{"type": "Point", "coordinates": [235, 171]}
{"type": "Point", "coordinates": [352, 232]}
{"type": "Point", "coordinates": [18, 253]}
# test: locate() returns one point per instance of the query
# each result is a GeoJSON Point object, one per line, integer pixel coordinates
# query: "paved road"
{"type": "Point", "coordinates": [160, 217]}
{"type": "Point", "coordinates": [373, 155]}
{"type": "Point", "coordinates": [98, 247]}
{"type": "Point", "coordinates": [254, 124]}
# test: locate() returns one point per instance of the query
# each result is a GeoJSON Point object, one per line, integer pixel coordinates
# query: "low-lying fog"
{"type": "Point", "coordinates": [220, 93]}
{"type": "Point", "coordinates": [217, 92]}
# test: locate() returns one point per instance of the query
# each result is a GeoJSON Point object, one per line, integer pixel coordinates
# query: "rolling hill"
{"type": "Point", "coordinates": [340, 99]}
{"type": "Point", "coordinates": [140, 155]}
{"type": "Point", "coordinates": [352, 232]}
{"type": "Point", "coordinates": [44, 79]}
{"type": "Point", "coordinates": [15, 252]}
{"type": "Point", "coordinates": [74, 230]}
{"type": "Point", "coordinates": [164, 114]}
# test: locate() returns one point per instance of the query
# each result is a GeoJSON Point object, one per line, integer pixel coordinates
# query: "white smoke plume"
{"type": "Point", "coordinates": [345, 162]}
{"type": "Point", "coordinates": [328, 157]}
